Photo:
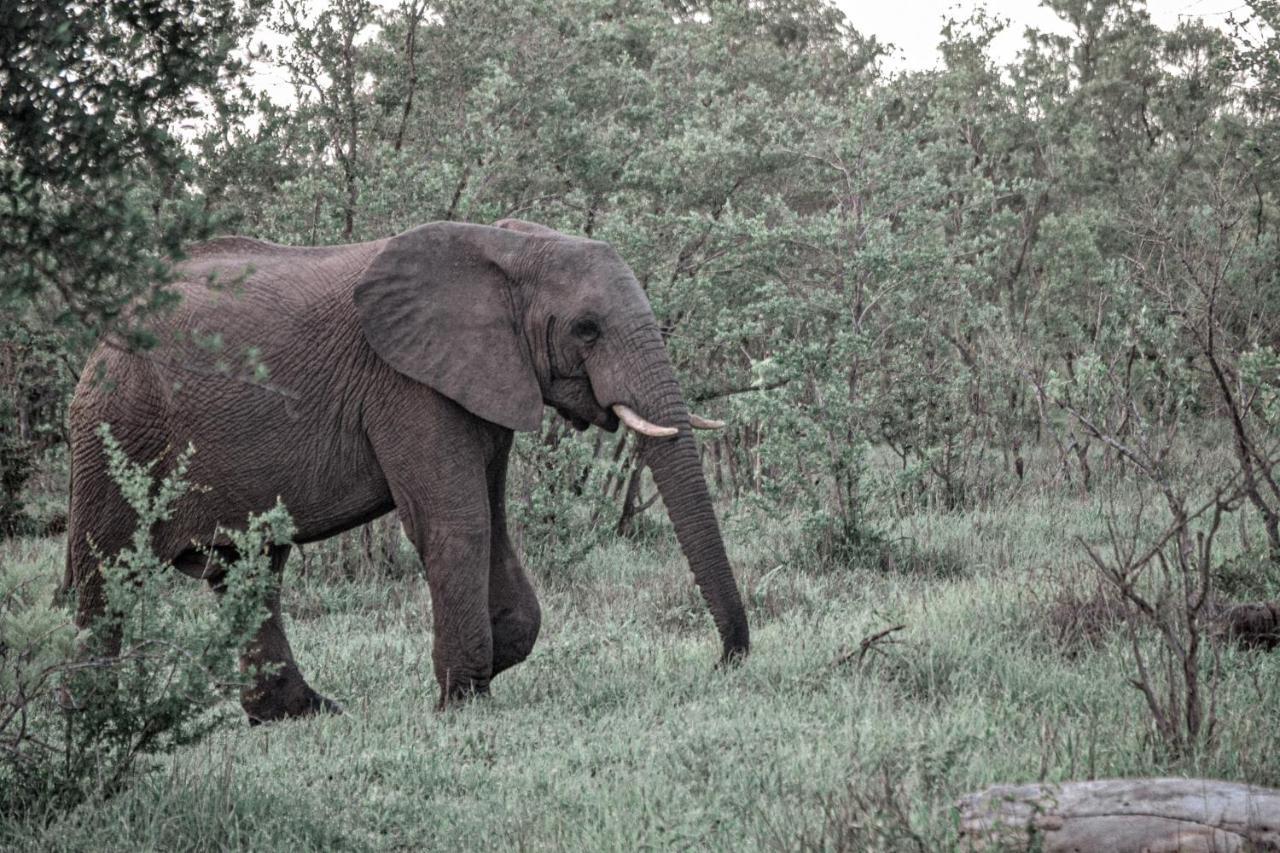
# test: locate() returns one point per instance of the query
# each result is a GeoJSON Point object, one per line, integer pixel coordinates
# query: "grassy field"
{"type": "Point", "coordinates": [618, 733]}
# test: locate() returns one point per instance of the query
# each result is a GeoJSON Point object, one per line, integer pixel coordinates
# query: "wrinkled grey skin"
{"type": "Point", "coordinates": [398, 371]}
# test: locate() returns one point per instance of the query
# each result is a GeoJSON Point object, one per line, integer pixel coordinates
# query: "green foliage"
{"type": "Point", "coordinates": [36, 643]}
{"type": "Point", "coordinates": [559, 494]}
{"type": "Point", "coordinates": [35, 384]}
{"type": "Point", "coordinates": [1256, 33]}
{"type": "Point", "coordinates": [96, 193]}
{"type": "Point", "coordinates": [894, 260]}
{"type": "Point", "coordinates": [76, 721]}
{"type": "Point", "coordinates": [91, 174]}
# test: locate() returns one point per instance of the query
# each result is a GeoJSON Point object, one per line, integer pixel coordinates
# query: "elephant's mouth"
{"type": "Point", "coordinates": [574, 399]}
{"type": "Point", "coordinates": [603, 418]}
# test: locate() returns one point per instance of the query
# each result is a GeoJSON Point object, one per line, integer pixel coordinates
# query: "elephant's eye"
{"type": "Point", "coordinates": [586, 330]}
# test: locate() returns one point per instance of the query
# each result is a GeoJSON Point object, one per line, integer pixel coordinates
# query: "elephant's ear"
{"type": "Point", "coordinates": [437, 304]}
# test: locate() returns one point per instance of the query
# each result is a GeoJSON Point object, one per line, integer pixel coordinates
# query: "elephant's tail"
{"type": "Point", "coordinates": [68, 573]}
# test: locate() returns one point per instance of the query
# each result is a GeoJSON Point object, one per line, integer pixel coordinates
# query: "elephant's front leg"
{"type": "Point", "coordinates": [514, 613]}
{"type": "Point", "coordinates": [456, 557]}
{"type": "Point", "coordinates": [436, 457]}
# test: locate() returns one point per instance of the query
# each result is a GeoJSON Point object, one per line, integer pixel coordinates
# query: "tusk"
{"type": "Point", "coordinates": [628, 416]}
{"type": "Point", "coordinates": [699, 422]}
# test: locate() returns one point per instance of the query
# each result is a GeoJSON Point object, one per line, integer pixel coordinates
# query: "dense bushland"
{"type": "Point", "coordinates": [938, 263]}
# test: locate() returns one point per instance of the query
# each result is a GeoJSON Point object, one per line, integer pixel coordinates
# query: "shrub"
{"type": "Point", "coordinates": [75, 720]}
{"type": "Point", "coordinates": [36, 644]}
{"type": "Point", "coordinates": [561, 495]}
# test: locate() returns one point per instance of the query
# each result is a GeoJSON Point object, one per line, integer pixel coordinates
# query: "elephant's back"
{"type": "Point", "coordinates": [230, 249]}
{"type": "Point", "coordinates": [250, 316]}
{"type": "Point", "coordinates": [287, 276]}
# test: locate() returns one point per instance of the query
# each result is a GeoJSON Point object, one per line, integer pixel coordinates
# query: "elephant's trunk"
{"type": "Point", "coordinates": [678, 474]}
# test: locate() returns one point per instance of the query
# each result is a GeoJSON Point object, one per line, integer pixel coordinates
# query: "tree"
{"type": "Point", "coordinates": [324, 64]}
{"type": "Point", "coordinates": [92, 174]}
{"type": "Point", "coordinates": [94, 182]}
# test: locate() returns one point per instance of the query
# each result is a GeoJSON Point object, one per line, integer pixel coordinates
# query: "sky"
{"type": "Point", "coordinates": [913, 25]}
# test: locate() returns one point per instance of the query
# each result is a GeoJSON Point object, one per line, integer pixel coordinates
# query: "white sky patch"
{"type": "Point", "coordinates": [914, 26]}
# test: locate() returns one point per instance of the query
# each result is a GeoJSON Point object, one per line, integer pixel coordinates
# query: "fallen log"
{"type": "Point", "coordinates": [1124, 816]}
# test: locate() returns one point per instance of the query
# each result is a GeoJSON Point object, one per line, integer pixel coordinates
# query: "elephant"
{"type": "Point", "coordinates": [399, 370]}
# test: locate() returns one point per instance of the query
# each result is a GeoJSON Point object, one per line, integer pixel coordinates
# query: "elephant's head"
{"type": "Point", "coordinates": [505, 319]}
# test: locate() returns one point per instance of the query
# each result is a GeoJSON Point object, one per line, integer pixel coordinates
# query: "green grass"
{"type": "Point", "coordinates": [618, 733]}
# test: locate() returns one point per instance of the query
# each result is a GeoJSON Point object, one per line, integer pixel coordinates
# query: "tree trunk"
{"type": "Point", "coordinates": [414, 16]}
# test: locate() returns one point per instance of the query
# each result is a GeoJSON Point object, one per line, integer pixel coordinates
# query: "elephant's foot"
{"type": "Point", "coordinates": [313, 703]}
{"type": "Point", "coordinates": [295, 699]}
{"type": "Point", "coordinates": [460, 692]}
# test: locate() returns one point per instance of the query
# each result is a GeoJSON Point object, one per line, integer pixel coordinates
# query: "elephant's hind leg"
{"type": "Point", "coordinates": [101, 524]}
{"type": "Point", "coordinates": [278, 689]}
